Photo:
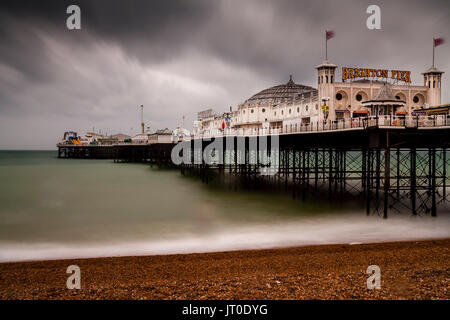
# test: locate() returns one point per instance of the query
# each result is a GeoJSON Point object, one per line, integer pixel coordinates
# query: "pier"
{"type": "Point", "coordinates": [386, 163]}
{"type": "Point", "coordinates": [152, 153]}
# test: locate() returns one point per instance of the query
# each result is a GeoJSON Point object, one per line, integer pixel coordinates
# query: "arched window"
{"type": "Point", "coordinates": [331, 79]}
{"type": "Point", "coordinates": [434, 84]}
{"type": "Point", "coordinates": [326, 79]}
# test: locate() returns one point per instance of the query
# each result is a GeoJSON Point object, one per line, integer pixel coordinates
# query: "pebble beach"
{"type": "Point", "coordinates": [409, 270]}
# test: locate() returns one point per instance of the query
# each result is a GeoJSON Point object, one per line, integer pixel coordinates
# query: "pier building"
{"type": "Point", "coordinates": [289, 107]}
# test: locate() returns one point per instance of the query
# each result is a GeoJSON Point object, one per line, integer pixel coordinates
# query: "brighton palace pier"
{"type": "Point", "coordinates": [373, 137]}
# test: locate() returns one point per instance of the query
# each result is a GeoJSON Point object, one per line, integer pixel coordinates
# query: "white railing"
{"type": "Point", "coordinates": [422, 121]}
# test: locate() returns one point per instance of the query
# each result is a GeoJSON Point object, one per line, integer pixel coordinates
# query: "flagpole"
{"type": "Point", "coordinates": [433, 52]}
{"type": "Point", "coordinates": [326, 45]}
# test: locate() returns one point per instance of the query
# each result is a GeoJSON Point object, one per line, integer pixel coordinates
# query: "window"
{"type": "Point", "coordinates": [416, 99]}
{"type": "Point", "coordinates": [275, 113]}
{"type": "Point", "coordinates": [243, 111]}
{"type": "Point", "coordinates": [397, 97]}
{"type": "Point", "coordinates": [306, 108]}
{"type": "Point", "coordinates": [290, 111]}
{"type": "Point", "coordinates": [252, 111]}
{"type": "Point", "coordinates": [358, 97]}
{"type": "Point", "coordinates": [338, 96]}
{"type": "Point", "coordinates": [331, 79]}
{"type": "Point", "coordinates": [282, 112]}
{"type": "Point", "coordinates": [319, 80]}
{"type": "Point", "coordinates": [326, 79]}
{"type": "Point", "coordinates": [298, 109]}
{"type": "Point", "coordinates": [263, 110]}
{"type": "Point", "coordinates": [317, 107]}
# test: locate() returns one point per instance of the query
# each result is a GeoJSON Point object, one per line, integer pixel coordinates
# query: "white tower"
{"type": "Point", "coordinates": [432, 80]}
{"type": "Point", "coordinates": [326, 79]}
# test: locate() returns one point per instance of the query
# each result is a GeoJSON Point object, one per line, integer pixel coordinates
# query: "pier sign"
{"type": "Point", "coordinates": [354, 73]}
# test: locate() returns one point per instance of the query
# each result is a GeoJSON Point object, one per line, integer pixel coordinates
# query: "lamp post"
{"type": "Point", "coordinates": [325, 106]}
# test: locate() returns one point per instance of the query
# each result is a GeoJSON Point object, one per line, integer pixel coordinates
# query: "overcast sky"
{"type": "Point", "coordinates": [181, 57]}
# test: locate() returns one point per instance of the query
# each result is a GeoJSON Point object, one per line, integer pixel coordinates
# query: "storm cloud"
{"type": "Point", "coordinates": [179, 57]}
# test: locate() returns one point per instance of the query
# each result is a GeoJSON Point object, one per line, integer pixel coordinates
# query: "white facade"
{"type": "Point", "coordinates": [291, 105]}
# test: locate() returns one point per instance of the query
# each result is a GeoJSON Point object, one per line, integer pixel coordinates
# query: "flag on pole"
{"type": "Point", "coordinates": [329, 34]}
{"type": "Point", "coordinates": [438, 41]}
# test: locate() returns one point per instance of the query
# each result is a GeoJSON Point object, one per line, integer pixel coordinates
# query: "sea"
{"type": "Point", "coordinates": [54, 208]}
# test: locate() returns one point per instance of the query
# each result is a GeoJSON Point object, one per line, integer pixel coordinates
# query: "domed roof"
{"type": "Point", "coordinates": [283, 93]}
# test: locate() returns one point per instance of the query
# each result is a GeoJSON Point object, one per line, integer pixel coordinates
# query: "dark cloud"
{"type": "Point", "coordinates": [180, 56]}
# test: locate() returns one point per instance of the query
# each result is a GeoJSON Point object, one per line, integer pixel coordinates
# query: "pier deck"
{"type": "Point", "coordinates": [155, 153]}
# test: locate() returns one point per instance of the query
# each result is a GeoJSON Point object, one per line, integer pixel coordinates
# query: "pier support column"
{"type": "Point", "coordinates": [294, 168]}
{"type": "Point", "coordinates": [364, 171]}
{"type": "Point", "coordinates": [387, 178]}
{"type": "Point", "coordinates": [330, 172]}
{"type": "Point", "coordinates": [433, 182]}
{"type": "Point", "coordinates": [368, 181]}
{"type": "Point", "coordinates": [316, 168]}
{"type": "Point", "coordinates": [412, 170]}
{"type": "Point", "coordinates": [398, 173]}
{"type": "Point", "coordinates": [444, 174]}
{"type": "Point", "coordinates": [304, 152]}
{"type": "Point", "coordinates": [377, 178]}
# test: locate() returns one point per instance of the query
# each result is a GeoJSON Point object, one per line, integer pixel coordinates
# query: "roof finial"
{"type": "Point", "coordinates": [290, 82]}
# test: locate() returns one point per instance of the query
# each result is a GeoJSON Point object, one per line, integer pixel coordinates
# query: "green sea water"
{"type": "Point", "coordinates": [60, 208]}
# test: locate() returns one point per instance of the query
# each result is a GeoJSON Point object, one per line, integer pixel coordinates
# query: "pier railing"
{"type": "Point", "coordinates": [385, 121]}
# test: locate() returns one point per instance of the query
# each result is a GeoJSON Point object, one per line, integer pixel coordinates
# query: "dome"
{"type": "Point", "coordinates": [284, 93]}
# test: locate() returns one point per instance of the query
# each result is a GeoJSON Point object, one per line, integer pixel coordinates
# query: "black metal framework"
{"type": "Point", "coordinates": [387, 170]}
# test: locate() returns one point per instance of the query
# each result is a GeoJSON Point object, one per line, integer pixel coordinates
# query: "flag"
{"type": "Point", "coordinates": [329, 34]}
{"type": "Point", "coordinates": [438, 41]}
